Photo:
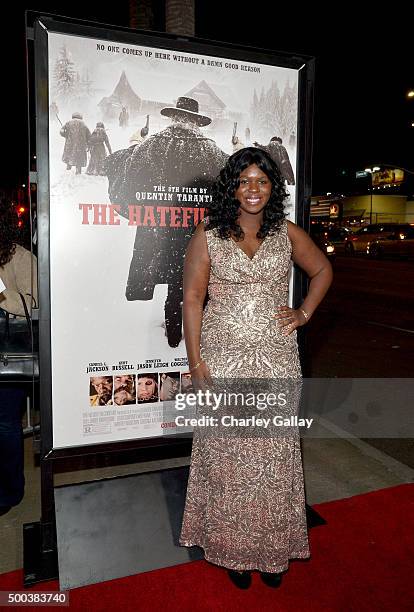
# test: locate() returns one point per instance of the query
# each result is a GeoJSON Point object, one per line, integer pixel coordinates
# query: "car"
{"type": "Point", "coordinates": [337, 236]}
{"type": "Point", "coordinates": [399, 243]}
{"type": "Point", "coordinates": [358, 241]}
{"type": "Point", "coordinates": [321, 240]}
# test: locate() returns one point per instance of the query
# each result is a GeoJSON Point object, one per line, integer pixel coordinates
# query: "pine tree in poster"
{"type": "Point", "coordinates": [64, 75]}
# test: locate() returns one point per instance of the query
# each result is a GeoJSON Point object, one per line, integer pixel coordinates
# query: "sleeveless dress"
{"type": "Point", "coordinates": [245, 503]}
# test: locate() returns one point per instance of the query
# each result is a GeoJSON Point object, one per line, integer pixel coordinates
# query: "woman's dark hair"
{"type": "Point", "coordinates": [151, 375]}
{"type": "Point", "coordinates": [9, 231]}
{"type": "Point", "coordinates": [224, 210]}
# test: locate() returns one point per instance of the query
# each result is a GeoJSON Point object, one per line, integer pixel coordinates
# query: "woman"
{"type": "Point", "coordinates": [147, 388]}
{"type": "Point", "coordinates": [18, 271]}
{"type": "Point", "coordinates": [245, 499]}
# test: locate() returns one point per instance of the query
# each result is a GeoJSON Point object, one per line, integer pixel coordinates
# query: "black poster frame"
{"type": "Point", "coordinates": [146, 448]}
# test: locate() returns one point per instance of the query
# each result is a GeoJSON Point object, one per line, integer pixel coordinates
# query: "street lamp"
{"type": "Point", "coordinates": [365, 173]}
{"type": "Point", "coordinates": [370, 172]}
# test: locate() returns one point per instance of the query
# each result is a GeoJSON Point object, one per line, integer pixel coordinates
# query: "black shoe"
{"type": "Point", "coordinates": [242, 580]}
{"type": "Point", "coordinates": [271, 580]}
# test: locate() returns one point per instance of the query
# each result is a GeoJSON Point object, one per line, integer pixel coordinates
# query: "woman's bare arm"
{"type": "Point", "coordinates": [307, 256]}
{"type": "Point", "coordinates": [312, 261]}
{"type": "Point", "coordinates": [196, 275]}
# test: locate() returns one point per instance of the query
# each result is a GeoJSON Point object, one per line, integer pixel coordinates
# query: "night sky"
{"type": "Point", "coordinates": [363, 72]}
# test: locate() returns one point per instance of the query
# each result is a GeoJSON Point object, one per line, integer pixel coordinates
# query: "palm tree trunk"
{"type": "Point", "coordinates": [180, 17]}
{"type": "Point", "coordinates": [141, 14]}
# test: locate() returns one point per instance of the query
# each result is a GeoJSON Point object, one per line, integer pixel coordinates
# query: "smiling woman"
{"type": "Point", "coordinates": [249, 197]}
{"type": "Point", "coordinates": [242, 255]}
{"type": "Point", "coordinates": [254, 191]}
{"type": "Point", "coordinates": [253, 195]}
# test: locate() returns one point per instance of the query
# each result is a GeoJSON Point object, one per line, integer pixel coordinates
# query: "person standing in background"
{"type": "Point", "coordinates": [280, 156]}
{"type": "Point", "coordinates": [123, 117]}
{"type": "Point", "coordinates": [18, 271]}
{"type": "Point", "coordinates": [18, 266]}
{"type": "Point", "coordinates": [77, 136]}
{"type": "Point", "coordinates": [97, 142]}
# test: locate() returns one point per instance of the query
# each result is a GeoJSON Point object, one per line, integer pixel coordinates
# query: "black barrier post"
{"type": "Point", "coordinates": [39, 539]}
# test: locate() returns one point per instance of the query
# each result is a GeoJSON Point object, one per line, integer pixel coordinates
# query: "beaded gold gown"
{"type": "Point", "coordinates": [245, 503]}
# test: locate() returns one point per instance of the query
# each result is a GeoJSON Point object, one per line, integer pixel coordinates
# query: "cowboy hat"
{"type": "Point", "coordinates": [186, 108]}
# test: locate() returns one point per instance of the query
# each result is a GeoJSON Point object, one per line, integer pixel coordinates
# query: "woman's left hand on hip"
{"type": "Point", "coordinates": [289, 319]}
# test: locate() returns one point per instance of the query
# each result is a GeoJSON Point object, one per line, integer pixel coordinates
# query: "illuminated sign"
{"type": "Point", "coordinates": [334, 211]}
{"type": "Point", "coordinates": [389, 176]}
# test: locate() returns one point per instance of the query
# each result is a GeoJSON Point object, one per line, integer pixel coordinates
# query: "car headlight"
{"type": "Point", "coordinates": [330, 249]}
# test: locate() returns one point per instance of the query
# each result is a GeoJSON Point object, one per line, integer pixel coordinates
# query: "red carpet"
{"type": "Point", "coordinates": [361, 560]}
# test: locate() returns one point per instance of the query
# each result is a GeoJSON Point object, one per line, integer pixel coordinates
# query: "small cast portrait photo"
{"type": "Point", "coordinates": [100, 390]}
{"type": "Point", "coordinates": [186, 383]}
{"type": "Point", "coordinates": [147, 387]}
{"type": "Point", "coordinates": [124, 389]}
{"type": "Point", "coordinates": [169, 385]}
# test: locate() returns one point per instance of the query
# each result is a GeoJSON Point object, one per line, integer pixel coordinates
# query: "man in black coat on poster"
{"type": "Point", "coordinates": [179, 156]}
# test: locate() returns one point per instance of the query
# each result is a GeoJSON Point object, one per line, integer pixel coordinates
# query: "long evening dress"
{"type": "Point", "coordinates": [245, 503]}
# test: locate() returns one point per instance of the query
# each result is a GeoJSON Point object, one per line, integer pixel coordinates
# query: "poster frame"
{"type": "Point", "coordinates": [173, 444]}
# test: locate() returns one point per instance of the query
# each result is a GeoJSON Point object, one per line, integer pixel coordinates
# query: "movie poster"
{"type": "Point", "coordinates": [137, 136]}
